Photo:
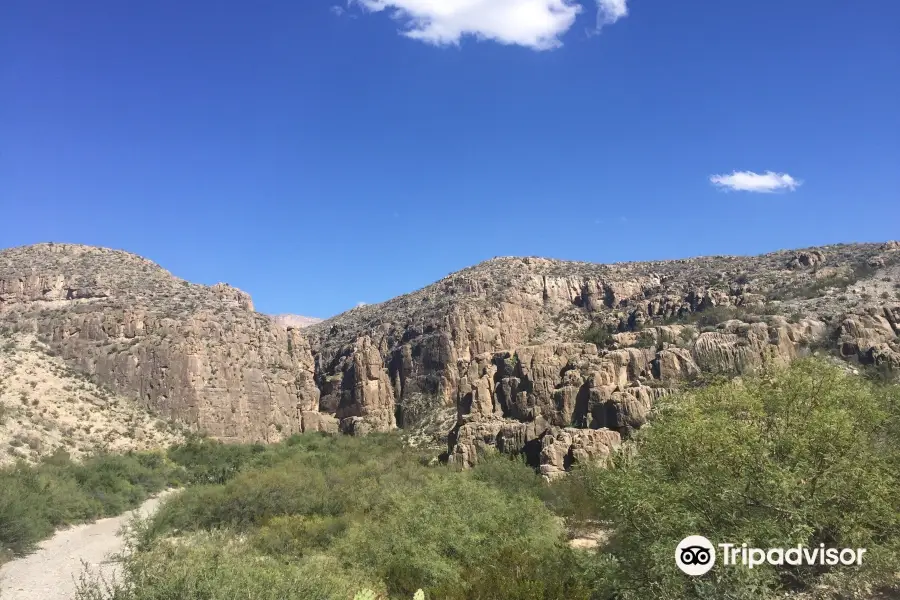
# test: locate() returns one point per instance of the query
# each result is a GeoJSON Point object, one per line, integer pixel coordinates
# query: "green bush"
{"type": "Point", "coordinates": [35, 500]}
{"type": "Point", "coordinates": [307, 475]}
{"type": "Point", "coordinates": [805, 455]}
{"type": "Point", "coordinates": [367, 507]}
{"type": "Point", "coordinates": [297, 535]}
{"type": "Point", "coordinates": [431, 535]}
{"type": "Point", "coordinates": [554, 573]}
{"type": "Point", "coordinates": [214, 566]}
{"type": "Point", "coordinates": [802, 455]}
{"type": "Point", "coordinates": [598, 334]}
{"type": "Point", "coordinates": [511, 475]}
{"type": "Point", "coordinates": [210, 461]}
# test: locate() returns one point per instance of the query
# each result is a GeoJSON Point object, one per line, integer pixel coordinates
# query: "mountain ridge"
{"type": "Point", "coordinates": [534, 355]}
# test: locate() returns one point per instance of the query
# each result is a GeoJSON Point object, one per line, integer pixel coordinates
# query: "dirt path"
{"type": "Point", "coordinates": [51, 572]}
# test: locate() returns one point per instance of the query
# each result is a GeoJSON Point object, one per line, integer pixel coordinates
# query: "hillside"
{"type": "Point", "coordinates": [46, 406]}
{"type": "Point", "coordinates": [196, 354]}
{"type": "Point", "coordinates": [504, 341]}
{"type": "Point", "coordinates": [555, 359]}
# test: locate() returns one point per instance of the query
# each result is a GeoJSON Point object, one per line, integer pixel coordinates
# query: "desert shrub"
{"type": "Point", "coordinates": [686, 335]}
{"type": "Point", "coordinates": [804, 455]}
{"type": "Point", "coordinates": [556, 572]}
{"type": "Point", "coordinates": [117, 482]}
{"type": "Point", "coordinates": [645, 340]}
{"type": "Point", "coordinates": [598, 334]}
{"type": "Point", "coordinates": [511, 475]}
{"type": "Point", "coordinates": [36, 499]}
{"type": "Point", "coordinates": [298, 535]}
{"type": "Point", "coordinates": [214, 566]}
{"type": "Point", "coordinates": [307, 475]}
{"type": "Point", "coordinates": [707, 318]}
{"type": "Point", "coordinates": [210, 461]}
{"type": "Point", "coordinates": [370, 510]}
{"type": "Point", "coordinates": [714, 315]}
{"type": "Point", "coordinates": [429, 536]}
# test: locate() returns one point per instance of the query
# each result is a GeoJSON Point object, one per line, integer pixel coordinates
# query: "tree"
{"type": "Point", "coordinates": [802, 455]}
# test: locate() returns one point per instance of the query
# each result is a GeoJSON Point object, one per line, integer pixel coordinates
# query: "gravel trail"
{"type": "Point", "coordinates": [51, 572]}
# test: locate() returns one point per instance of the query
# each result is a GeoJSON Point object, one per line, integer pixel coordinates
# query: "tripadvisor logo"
{"type": "Point", "coordinates": [696, 555]}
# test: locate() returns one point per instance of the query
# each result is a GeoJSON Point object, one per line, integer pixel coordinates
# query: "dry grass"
{"type": "Point", "coordinates": [48, 406]}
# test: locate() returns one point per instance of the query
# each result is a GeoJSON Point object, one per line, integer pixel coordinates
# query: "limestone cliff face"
{"type": "Point", "coordinates": [196, 354]}
{"type": "Point", "coordinates": [499, 340]}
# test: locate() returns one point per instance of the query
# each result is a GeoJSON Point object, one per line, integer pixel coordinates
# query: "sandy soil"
{"type": "Point", "coordinates": [52, 572]}
{"type": "Point", "coordinates": [45, 406]}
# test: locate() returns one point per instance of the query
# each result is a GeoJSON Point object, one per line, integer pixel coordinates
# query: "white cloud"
{"type": "Point", "coordinates": [748, 181]}
{"type": "Point", "coordinates": [610, 11]}
{"type": "Point", "coordinates": [536, 24]}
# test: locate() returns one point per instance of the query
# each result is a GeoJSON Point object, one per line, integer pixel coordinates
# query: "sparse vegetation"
{"type": "Point", "coordinates": [598, 334]}
{"type": "Point", "coordinates": [818, 286]}
{"type": "Point", "coordinates": [712, 316]}
{"type": "Point", "coordinates": [414, 408]}
{"type": "Point", "coordinates": [645, 339]}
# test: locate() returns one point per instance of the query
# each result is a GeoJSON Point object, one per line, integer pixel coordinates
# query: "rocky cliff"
{"type": "Point", "coordinates": [557, 360]}
{"type": "Point", "coordinates": [196, 354]}
{"type": "Point", "coordinates": [504, 341]}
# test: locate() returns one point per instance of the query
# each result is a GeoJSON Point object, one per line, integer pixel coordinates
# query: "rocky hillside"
{"type": "Point", "coordinates": [560, 359]}
{"type": "Point", "coordinates": [196, 354]}
{"type": "Point", "coordinates": [46, 406]}
{"type": "Point", "coordinates": [555, 359]}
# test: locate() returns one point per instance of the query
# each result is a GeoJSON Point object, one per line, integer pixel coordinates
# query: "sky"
{"type": "Point", "coordinates": [322, 154]}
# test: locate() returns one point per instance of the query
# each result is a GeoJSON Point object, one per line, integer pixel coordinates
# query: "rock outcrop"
{"type": "Point", "coordinates": [555, 360]}
{"type": "Point", "coordinates": [198, 355]}
{"type": "Point", "coordinates": [499, 340]}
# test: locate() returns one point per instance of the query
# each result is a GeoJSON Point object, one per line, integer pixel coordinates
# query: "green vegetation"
{"type": "Point", "coordinates": [712, 316]}
{"type": "Point", "coordinates": [818, 286]}
{"type": "Point", "coordinates": [35, 500]}
{"type": "Point", "coordinates": [799, 455]}
{"type": "Point", "coordinates": [596, 333]}
{"type": "Point", "coordinates": [804, 456]}
{"type": "Point", "coordinates": [645, 339]}
{"type": "Point", "coordinates": [324, 517]}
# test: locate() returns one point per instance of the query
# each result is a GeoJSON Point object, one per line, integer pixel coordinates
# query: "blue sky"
{"type": "Point", "coordinates": [318, 155]}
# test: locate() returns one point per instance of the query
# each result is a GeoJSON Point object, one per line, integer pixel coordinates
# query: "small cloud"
{"type": "Point", "coordinates": [748, 181]}
{"type": "Point", "coordinates": [610, 11]}
{"type": "Point", "coordinates": [536, 24]}
{"type": "Point", "coordinates": [338, 10]}
{"type": "Point", "coordinates": [358, 304]}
